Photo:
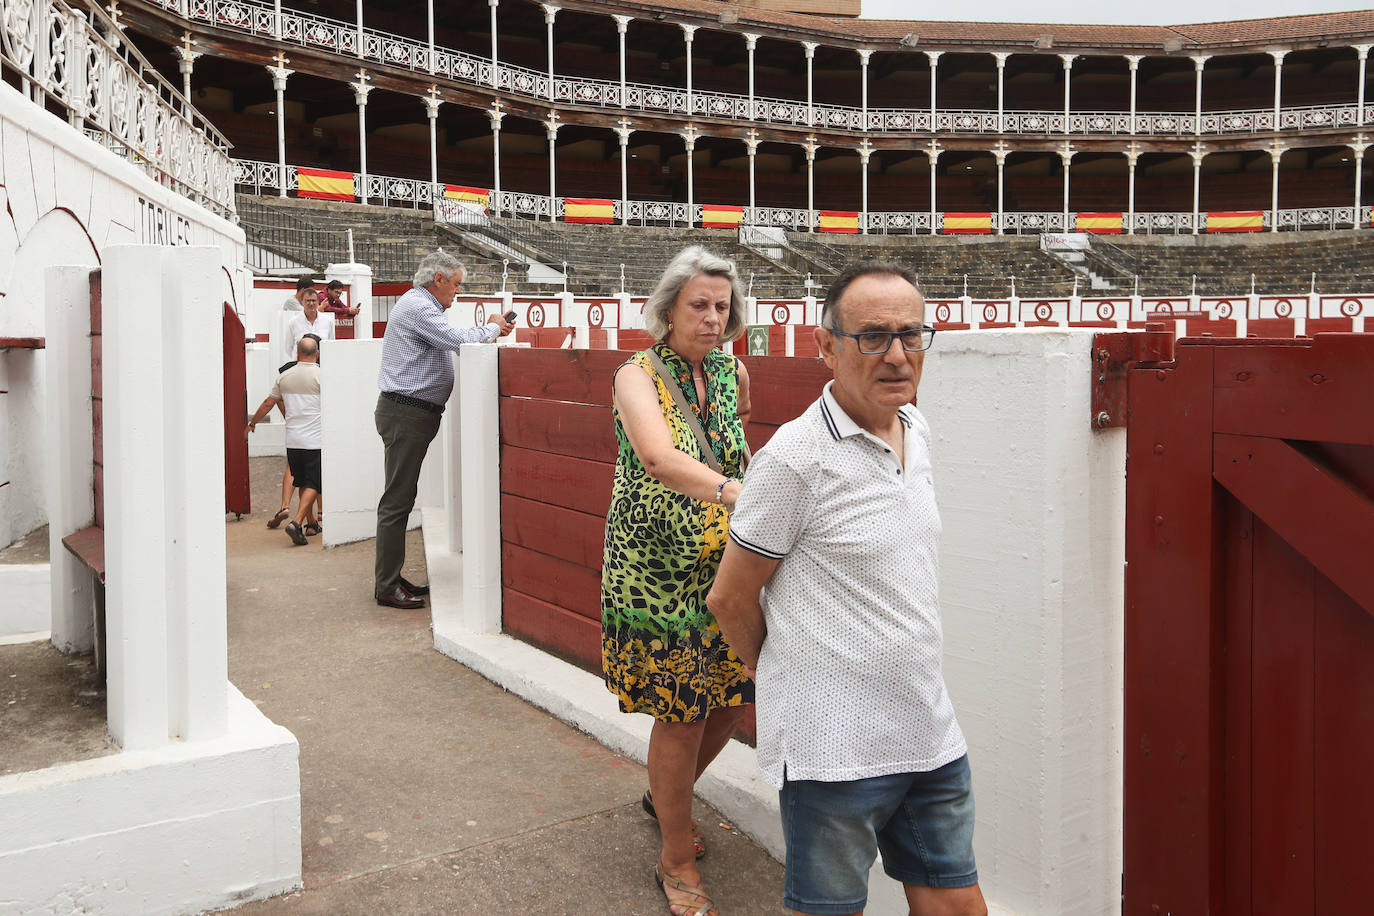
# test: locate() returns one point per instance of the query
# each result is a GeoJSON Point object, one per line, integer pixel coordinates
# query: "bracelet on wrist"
{"type": "Point", "coordinates": [720, 490]}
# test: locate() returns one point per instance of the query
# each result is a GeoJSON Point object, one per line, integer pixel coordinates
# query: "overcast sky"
{"type": "Point", "coordinates": [1159, 12]}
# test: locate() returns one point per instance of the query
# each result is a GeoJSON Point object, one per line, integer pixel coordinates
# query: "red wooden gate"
{"type": "Point", "coordinates": [1250, 629]}
{"type": "Point", "coordinates": [236, 490]}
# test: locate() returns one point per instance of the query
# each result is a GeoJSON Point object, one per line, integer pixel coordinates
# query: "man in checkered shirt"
{"type": "Point", "coordinates": [415, 382]}
{"type": "Point", "coordinates": [829, 589]}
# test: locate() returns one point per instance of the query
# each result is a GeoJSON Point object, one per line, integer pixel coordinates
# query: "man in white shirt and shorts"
{"type": "Point", "coordinates": [297, 394]}
{"type": "Point", "coordinates": [838, 527]}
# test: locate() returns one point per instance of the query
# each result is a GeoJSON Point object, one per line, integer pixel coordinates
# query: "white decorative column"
{"type": "Point", "coordinates": [752, 142]}
{"type": "Point", "coordinates": [1132, 156]}
{"type": "Point", "coordinates": [1001, 58]}
{"type": "Point", "coordinates": [934, 57]}
{"type": "Point", "coordinates": [865, 151]}
{"type": "Point", "coordinates": [186, 60]}
{"type": "Point", "coordinates": [1276, 152]}
{"type": "Point", "coordinates": [279, 74]}
{"type": "Point", "coordinates": [495, 116]}
{"type": "Point", "coordinates": [864, 55]}
{"type": "Point", "coordinates": [429, 14]}
{"type": "Point", "coordinates": [1358, 147]}
{"type": "Point", "coordinates": [549, 13]}
{"type": "Point", "coordinates": [1278, 84]}
{"type": "Point", "coordinates": [432, 103]}
{"type": "Point", "coordinates": [1000, 154]}
{"type": "Point", "coordinates": [1198, 155]}
{"type": "Point", "coordinates": [689, 140]}
{"type": "Point", "coordinates": [623, 133]}
{"type": "Point", "coordinates": [750, 41]}
{"type": "Point", "coordinates": [495, 80]}
{"type": "Point", "coordinates": [810, 147]}
{"type": "Point", "coordinates": [360, 91]}
{"type": "Point", "coordinates": [1199, 61]}
{"type": "Point", "coordinates": [1066, 160]}
{"type": "Point", "coordinates": [1133, 61]}
{"type": "Point", "coordinates": [809, 47]}
{"type": "Point", "coordinates": [1363, 52]}
{"type": "Point", "coordinates": [622, 24]}
{"type": "Point", "coordinates": [934, 155]}
{"type": "Point", "coordinates": [551, 126]}
{"type": "Point", "coordinates": [687, 32]}
{"type": "Point", "coordinates": [359, 6]}
{"type": "Point", "coordinates": [276, 19]}
{"type": "Point", "coordinates": [1068, 60]}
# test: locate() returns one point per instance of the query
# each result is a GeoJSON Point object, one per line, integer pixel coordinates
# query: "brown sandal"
{"type": "Point", "coordinates": [282, 514]}
{"type": "Point", "coordinates": [698, 838]}
{"type": "Point", "coordinates": [693, 900]}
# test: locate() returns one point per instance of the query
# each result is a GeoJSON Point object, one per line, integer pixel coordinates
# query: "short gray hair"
{"type": "Point", "coordinates": [437, 262]}
{"type": "Point", "coordinates": [688, 263]}
{"type": "Point", "coordinates": [830, 308]}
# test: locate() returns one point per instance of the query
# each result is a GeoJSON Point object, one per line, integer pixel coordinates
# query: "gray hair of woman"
{"type": "Point", "coordinates": [437, 262]}
{"type": "Point", "coordinates": [688, 263]}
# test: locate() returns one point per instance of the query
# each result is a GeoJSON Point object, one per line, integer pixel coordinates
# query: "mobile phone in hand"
{"type": "Point", "coordinates": [510, 316]}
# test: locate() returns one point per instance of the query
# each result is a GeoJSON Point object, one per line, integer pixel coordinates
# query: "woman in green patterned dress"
{"type": "Point", "coordinates": [662, 650]}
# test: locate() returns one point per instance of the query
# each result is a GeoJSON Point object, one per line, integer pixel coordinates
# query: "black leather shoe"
{"type": "Point", "coordinates": [398, 597]}
{"type": "Point", "coordinates": [416, 590]}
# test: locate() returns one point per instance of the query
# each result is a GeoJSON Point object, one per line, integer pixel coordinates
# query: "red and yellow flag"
{"type": "Point", "coordinates": [468, 195]}
{"type": "Point", "coordinates": [1235, 221]}
{"type": "Point", "coordinates": [839, 221]}
{"type": "Point", "coordinates": [588, 210]}
{"type": "Point", "coordinates": [324, 184]}
{"type": "Point", "coordinates": [1099, 223]}
{"type": "Point", "coordinates": [968, 223]}
{"type": "Point", "coordinates": [721, 216]}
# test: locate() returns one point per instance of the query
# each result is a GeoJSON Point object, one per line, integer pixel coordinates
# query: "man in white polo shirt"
{"type": "Point", "coordinates": [829, 588]}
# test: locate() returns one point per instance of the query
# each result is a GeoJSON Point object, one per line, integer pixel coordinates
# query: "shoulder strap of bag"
{"type": "Point", "coordinates": [681, 401]}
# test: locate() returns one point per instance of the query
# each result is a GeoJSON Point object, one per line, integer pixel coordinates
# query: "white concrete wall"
{"type": "Point", "coordinates": [24, 609]}
{"type": "Point", "coordinates": [1033, 506]}
{"type": "Point", "coordinates": [186, 827]}
{"type": "Point", "coordinates": [65, 200]}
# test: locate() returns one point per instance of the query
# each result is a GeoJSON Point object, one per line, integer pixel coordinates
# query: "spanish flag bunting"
{"type": "Point", "coordinates": [839, 221]}
{"type": "Point", "coordinates": [968, 223]}
{"type": "Point", "coordinates": [324, 184]}
{"type": "Point", "coordinates": [588, 210]}
{"type": "Point", "coordinates": [1099, 223]}
{"type": "Point", "coordinates": [1235, 221]}
{"type": "Point", "coordinates": [721, 216]}
{"type": "Point", "coordinates": [468, 195]}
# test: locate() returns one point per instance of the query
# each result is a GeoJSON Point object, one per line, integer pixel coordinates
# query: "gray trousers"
{"type": "Point", "coordinates": [406, 433]}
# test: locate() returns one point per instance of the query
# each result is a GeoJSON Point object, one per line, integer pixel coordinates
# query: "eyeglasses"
{"type": "Point", "coordinates": [875, 343]}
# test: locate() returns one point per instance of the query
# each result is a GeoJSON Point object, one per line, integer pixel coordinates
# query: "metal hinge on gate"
{"type": "Point", "coordinates": [1116, 352]}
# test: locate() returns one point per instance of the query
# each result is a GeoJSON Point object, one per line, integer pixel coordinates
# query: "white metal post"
{"type": "Point", "coordinates": [1198, 155]}
{"type": "Point", "coordinates": [549, 13]}
{"type": "Point", "coordinates": [1363, 52]}
{"type": "Point", "coordinates": [687, 32]}
{"type": "Point", "coordinates": [752, 142]}
{"type": "Point", "coordinates": [689, 139]}
{"type": "Point", "coordinates": [810, 49]}
{"type": "Point", "coordinates": [1066, 159]}
{"type": "Point", "coordinates": [622, 24]}
{"type": "Point", "coordinates": [1068, 60]}
{"type": "Point", "coordinates": [1275, 157]}
{"type": "Point", "coordinates": [1001, 154]}
{"type": "Point", "coordinates": [623, 133]}
{"type": "Point", "coordinates": [360, 91]}
{"type": "Point", "coordinates": [1001, 58]}
{"type": "Point", "coordinates": [1133, 61]}
{"type": "Point", "coordinates": [865, 151]}
{"type": "Point", "coordinates": [432, 103]}
{"type": "Point", "coordinates": [1132, 156]}
{"type": "Point", "coordinates": [359, 5]}
{"type": "Point", "coordinates": [279, 74]}
{"type": "Point", "coordinates": [495, 115]}
{"type": "Point", "coordinates": [1199, 61]}
{"type": "Point", "coordinates": [810, 148]}
{"type": "Point", "coordinates": [750, 41]}
{"type": "Point", "coordinates": [864, 55]}
{"type": "Point", "coordinates": [551, 126]}
{"type": "Point", "coordinates": [934, 155]}
{"type": "Point", "coordinates": [429, 14]}
{"type": "Point", "coordinates": [495, 81]}
{"type": "Point", "coordinates": [934, 57]}
{"type": "Point", "coordinates": [1278, 85]}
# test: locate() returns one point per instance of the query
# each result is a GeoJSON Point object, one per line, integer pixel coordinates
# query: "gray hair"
{"type": "Point", "coordinates": [688, 263]}
{"type": "Point", "coordinates": [307, 346]}
{"type": "Point", "coordinates": [437, 262]}
{"type": "Point", "coordinates": [830, 309]}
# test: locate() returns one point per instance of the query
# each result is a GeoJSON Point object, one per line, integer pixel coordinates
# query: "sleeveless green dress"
{"type": "Point", "coordinates": [662, 650]}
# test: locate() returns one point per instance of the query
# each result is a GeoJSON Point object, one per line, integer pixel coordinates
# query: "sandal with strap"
{"type": "Point", "coordinates": [280, 517]}
{"type": "Point", "coordinates": [698, 838]}
{"type": "Point", "coordinates": [312, 529]}
{"type": "Point", "coordinates": [692, 901]}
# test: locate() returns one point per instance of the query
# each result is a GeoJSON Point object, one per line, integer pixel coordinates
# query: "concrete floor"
{"type": "Point", "coordinates": [425, 788]}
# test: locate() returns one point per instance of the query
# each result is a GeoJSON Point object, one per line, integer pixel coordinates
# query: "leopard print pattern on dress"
{"type": "Point", "coordinates": [662, 650]}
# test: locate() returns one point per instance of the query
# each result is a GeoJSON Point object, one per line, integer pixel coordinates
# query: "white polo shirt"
{"type": "Point", "coordinates": [322, 327]}
{"type": "Point", "coordinates": [850, 679]}
{"type": "Point", "coordinates": [298, 388]}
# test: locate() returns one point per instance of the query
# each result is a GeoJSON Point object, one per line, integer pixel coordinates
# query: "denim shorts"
{"type": "Point", "coordinates": [922, 823]}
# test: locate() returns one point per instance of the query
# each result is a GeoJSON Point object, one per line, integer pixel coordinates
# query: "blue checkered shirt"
{"type": "Point", "coordinates": [415, 351]}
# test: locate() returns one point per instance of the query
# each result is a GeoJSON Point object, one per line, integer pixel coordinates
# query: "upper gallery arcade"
{"type": "Point", "coordinates": [709, 102]}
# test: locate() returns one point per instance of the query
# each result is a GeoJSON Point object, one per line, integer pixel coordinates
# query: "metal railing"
{"type": "Point", "coordinates": [110, 92]}
{"type": "Point", "coordinates": [368, 44]}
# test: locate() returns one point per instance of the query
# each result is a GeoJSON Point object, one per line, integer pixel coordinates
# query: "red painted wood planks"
{"type": "Point", "coordinates": [570, 586]}
{"type": "Point", "coordinates": [579, 376]}
{"type": "Point", "coordinates": [781, 388]}
{"type": "Point", "coordinates": [575, 483]}
{"type": "Point", "coordinates": [561, 632]}
{"type": "Point", "coordinates": [564, 533]}
{"type": "Point", "coordinates": [577, 430]}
